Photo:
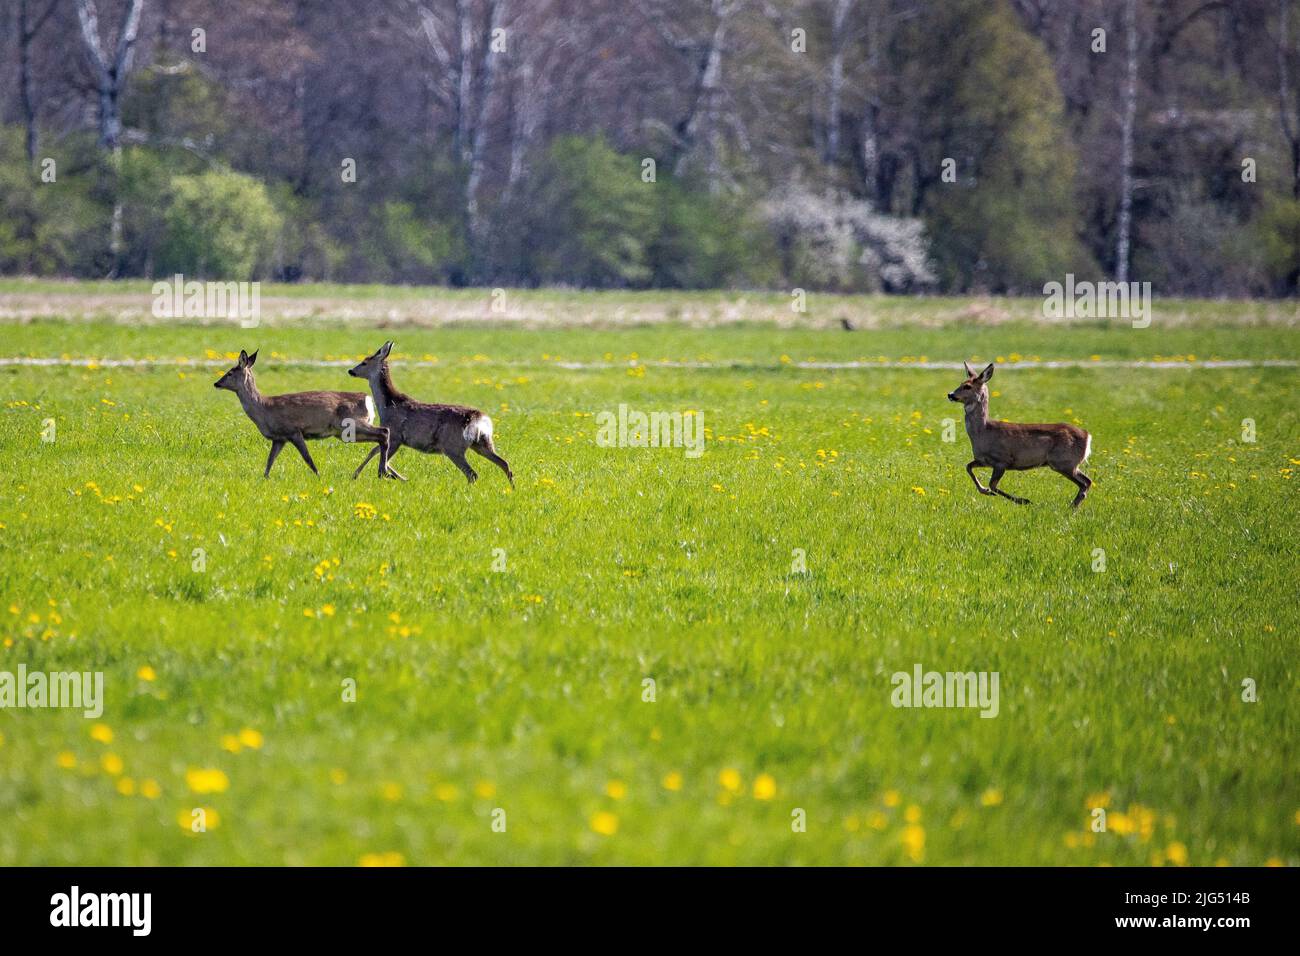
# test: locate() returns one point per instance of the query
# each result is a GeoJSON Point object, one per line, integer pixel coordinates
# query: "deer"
{"type": "Point", "coordinates": [299, 416]}
{"type": "Point", "coordinates": [449, 430]}
{"type": "Point", "coordinates": [1010, 446]}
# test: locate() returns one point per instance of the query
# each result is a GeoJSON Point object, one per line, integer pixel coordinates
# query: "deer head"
{"type": "Point", "coordinates": [240, 376]}
{"type": "Point", "coordinates": [372, 363]}
{"type": "Point", "coordinates": [970, 391]}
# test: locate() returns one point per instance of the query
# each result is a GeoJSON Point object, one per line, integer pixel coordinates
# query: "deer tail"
{"type": "Point", "coordinates": [479, 429]}
{"type": "Point", "coordinates": [1087, 447]}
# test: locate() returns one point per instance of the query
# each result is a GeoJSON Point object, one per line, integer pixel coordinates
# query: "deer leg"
{"type": "Point", "coordinates": [458, 459]}
{"type": "Point", "coordinates": [380, 436]}
{"type": "Point", "coordinates": [485, 449]}
{"type": "Point", "coordinates": [1084, 483]}
{"type": "Point", "coordinates": [993, 486]}
{"type": "Point", "coordinates": [270, 459]}
{"type": "Point", "coordinates": [373, 452]}
{"type": "Point", "coordinates": [393, 472]}
{"type": "Point", "coordinates": [301, 445]}
{"type": "Point", "coordinates": [970, 470]}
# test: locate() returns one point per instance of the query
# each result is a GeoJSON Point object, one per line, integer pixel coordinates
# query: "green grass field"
{"type": "Point", "coordinates": [524, 689]}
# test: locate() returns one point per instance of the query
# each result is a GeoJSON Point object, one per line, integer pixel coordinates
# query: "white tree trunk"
{"type": "Point", "coordinates": [110, 78]}
{"type": "Point", "coordinates": [1123, 240]}
{"type": "Point", "coordinates": [835, 93]}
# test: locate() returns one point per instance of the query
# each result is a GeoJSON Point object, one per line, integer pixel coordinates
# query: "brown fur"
{"type": "Point", "coordinates": [433, 429]}
{"type": "Point", "coordinates": [1011, 446]}
{"type": "Point", "coordinates": [298, 417]}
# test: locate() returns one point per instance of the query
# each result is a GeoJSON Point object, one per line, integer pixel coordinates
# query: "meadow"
{"type": "Point", "coordinates": [499, 641]}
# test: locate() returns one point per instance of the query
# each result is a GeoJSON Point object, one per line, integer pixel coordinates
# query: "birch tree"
{"type": "Point", "coordinates": [1288, 111]}
{"type": "Point", "coordinates": [1123, 240]}
{"type": "Point", "coordinates": [110, 66]}
{"type": "Point", "coordinates": [110, 72]}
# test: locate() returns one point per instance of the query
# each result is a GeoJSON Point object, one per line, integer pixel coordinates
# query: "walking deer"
{"type": "Point", "coordinates": [449, 430]}
{"type": "Point", "coordinates": [299, 416]}
{"type": "Point", "coordinates": [1009, 446]}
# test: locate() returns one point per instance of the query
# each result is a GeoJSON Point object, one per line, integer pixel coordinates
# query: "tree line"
{"type": "Point", "coordinates": [852, 145]}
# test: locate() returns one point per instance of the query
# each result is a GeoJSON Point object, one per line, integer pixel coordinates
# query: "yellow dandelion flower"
{"type": "Point", "coordinates": [389, 858]}
{"type": "Point", "coordinates": [231, 744]}
{"type": "Point", "coordinates": [877, 820]}
{"type": "Point", "coordinates": [912, 814]}
{"type": "Point", "coordinates": [150, 790]}
{"type": "Point", "coordinates": [101, 733]}
{"type": "Point", "coordinates": [66, 760]}
{"type": "Point", "coordinates": [673, 781]}
{"type": "Point", "coordinates": [604, 823]}
{"type": "Point", "coordinates": [146, 673]}
{"type": "Point", "coordinates": [111, 764]}
{"type": "Point", "coordinates": [485, 789]}
{"type": "Point", "coordinates": [446, 792]}
{"type": "Point", "coordinates": [764, 787]}
{"type": "Point", "coordinates": [392, 792]}
{"type": "Point", "coordinates": [1176, 853]}
{"type": "Point", "coordinates": [250, 738]}
{"type": "Point", "coordinates": [190, 820]}
{"type": "Point", "coordinates": [892, 798]}
{"type": "Point", "coordinates": [126, 787]}
{"type": "Point", "coordinates": [616, 789]}
{"type": "Point", "coordinates": [913, 837]}
{"type": "Point", "coordinates": [1095, 800]}
{"type": "Point", "coordinates": [730, 780]}
{"type": "Point", "coordinates": [991, 797]}
{"type": "Point", "coordinates": [206, 780]}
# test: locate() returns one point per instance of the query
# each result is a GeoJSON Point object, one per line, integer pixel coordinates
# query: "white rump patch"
{"type": "Point", "coordinates": [480, 426]}
{"type": "Point", "coordinates": [371, 412]}
{"type": "Point", "coordinates": [1087, 449]}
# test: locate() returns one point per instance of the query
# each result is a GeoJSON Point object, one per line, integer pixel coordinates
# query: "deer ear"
{"type": "Point", "coordinates": [383, 352]}
{"type": "Point", "coordinates": [987, 373]}
{"type": "Point", "coordinates": [243, 358]}
{"type": "Point", "coordinates": [252, 359]}
{"type": "Point", "coordinates": [970, 372]}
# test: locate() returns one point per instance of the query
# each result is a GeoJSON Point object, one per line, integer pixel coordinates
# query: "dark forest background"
{"type": "Point", "coordinates": [852, 145]}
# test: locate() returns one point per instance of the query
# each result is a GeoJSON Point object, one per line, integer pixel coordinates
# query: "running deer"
{"type": "Point", "coordinates": [1005, 446]}
{"type": "Point", "coordinates": [299, 416]}
{"type": "Point", "coordinates": [449, 430]}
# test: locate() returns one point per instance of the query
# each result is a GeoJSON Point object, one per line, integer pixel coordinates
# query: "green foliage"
{"type": "Point", "coordinates": [1279, 239]}
{"type": "Point", "coordinates": [144, 186]}
{"type": "Point", "coordinates": [179, 109]}
{"type": "Point", "coordinates": [707, 241]}
{"type": "Point", "coordinates": [219, 224]}
{"type": "Point", "coordinates": [305, 246]}
{"type": "Point", "coordinates": [1009, 222]}
{"type": "Point", "coordinates": [592, 218]}
{"type": "Point", "coordinates": [46, 227]}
